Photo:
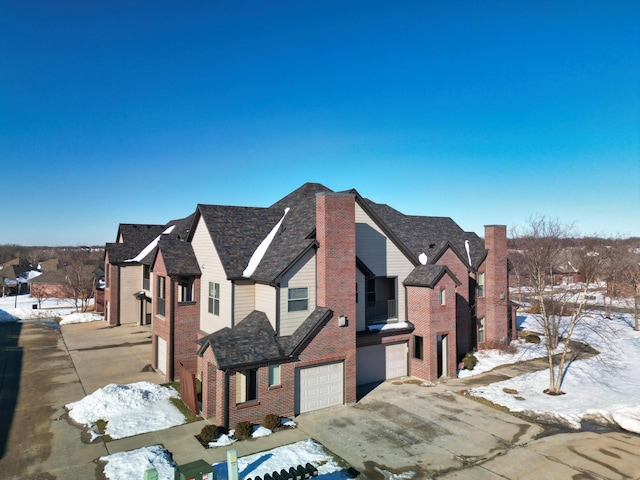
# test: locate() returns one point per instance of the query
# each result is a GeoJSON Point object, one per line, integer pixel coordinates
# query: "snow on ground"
{"type": "Point", "coordinates": [129, 409]}
{"type": "Point", "coordinates": [299, 453]}
{"type": "Point", "coordinates": [601, 389]}
{"type": "Point", "coordinates": [490, 359]}
{"type": "Point", "coordinates": [133, 464]}
{"type": "Point", "coordinates": [80, 317]}
{"type": "Point", "coordinates": [18, 309]}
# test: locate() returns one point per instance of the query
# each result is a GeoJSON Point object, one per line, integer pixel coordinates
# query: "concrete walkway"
{"type": "Point", "coordinates": [400, 428]}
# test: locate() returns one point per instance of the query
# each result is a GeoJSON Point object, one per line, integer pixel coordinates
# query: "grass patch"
{"type": "Point", "coordinates": [102, 427]}
{"type": "Point", "coordinates": [510, 391]}
{"type": "Point", "coordinates": [188, 414]}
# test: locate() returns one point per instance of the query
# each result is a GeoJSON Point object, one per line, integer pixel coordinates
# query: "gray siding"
{"type": "Point", "coordinates": [244, 298]}
{"type": "Point", "coordinates": [381, 256]}
{"type": "Point", "coordinates": [303, 274]}
{"type": "Point", "coordinates": [212, 271]}
{"type": "Point", "coordinates": [265, 301]}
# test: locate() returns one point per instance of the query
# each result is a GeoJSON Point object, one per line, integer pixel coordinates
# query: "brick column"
{"type": "Point", "coordinates": [496, 283]}
{"type": "Point", "coordinates": [336, 277]}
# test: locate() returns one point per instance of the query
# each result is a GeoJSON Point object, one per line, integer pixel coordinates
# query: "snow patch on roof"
{"type": "Point", "coordinates": [257, 256]}
{"type": "Point", "coordinates": [147, 250]}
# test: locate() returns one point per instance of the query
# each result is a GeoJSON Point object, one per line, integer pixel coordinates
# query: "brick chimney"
{"type": "Point", "coordinates": [496, 283]}
{"type": "Point", "coordinates": [336, 258]}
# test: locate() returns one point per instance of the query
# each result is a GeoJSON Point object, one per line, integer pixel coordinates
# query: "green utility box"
{"type": "Point", "coordinates": [151, 474]}
{"type": "Point", "coordinates": [198, 470]}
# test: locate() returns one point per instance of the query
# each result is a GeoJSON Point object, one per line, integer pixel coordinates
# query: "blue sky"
{"type": "Point", "coordinates": [486, 112]}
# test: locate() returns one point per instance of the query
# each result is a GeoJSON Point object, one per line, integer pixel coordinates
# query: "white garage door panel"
{"type": "Point", "coordinates": [396, 356]}
{"type": "Point", "coordinates": [162, 355]}
{"type": "Point", "coordinates": [377, 363]}
{"type": "Point", "coordinates": [320, 387]}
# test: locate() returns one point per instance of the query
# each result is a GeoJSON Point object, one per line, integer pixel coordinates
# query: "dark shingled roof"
{"type": "Point", "coordinates": [138, 235]}
{"type": "Point", "coordinates": [431, 235]}
{"type": "Point", "coordinates": [428, 276]}
{"type": "Point", "coordinates": [178, 257]}
{"type": "Point", "coordinates": [253, 340]}
{"type": "Point", "coordinates": [236, 232]}
{"type": "Point", "coordinates": [119, 252]}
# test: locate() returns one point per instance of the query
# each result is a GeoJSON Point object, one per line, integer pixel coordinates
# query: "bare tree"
{"type": "Point", "coordinates": [543, 243]}
{"type": "Point", "coordinates": [79, 268]}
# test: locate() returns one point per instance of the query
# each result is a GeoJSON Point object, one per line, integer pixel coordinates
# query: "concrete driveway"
{"type": "Point", "coordinates": [402, 430]}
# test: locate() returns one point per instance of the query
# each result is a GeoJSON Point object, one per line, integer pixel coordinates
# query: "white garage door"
{"type": "Point", "coordinates": [320, 387]}
{"type": "Point", "coordinates": [162, 355]}
{"type": "Point", "coordinates": [377, 363]}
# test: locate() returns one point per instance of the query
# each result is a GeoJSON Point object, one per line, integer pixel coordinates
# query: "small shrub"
{"type": "Point", "coordinates": [244, 430]}
{"type": "Point", "coordinates": [504, 346]}
{"type": "Point", "coordinates": [532, 338]}
{"type": "Point", "coordinates": [209, 433]}
{"type": "Point", "coordinates": [271, 421]}
{"type": "Point", "coordinates": [470, 361]}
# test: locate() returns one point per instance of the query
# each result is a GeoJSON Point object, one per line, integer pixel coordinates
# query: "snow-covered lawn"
{"type": "Point", "coordinates": [604, 388]}
{"type": "Point", "coordinates": [134, 463]}
{"type": "Point", "coordinates": [14, 309]}
{"type": "Point", "coordinates": [128, 409]}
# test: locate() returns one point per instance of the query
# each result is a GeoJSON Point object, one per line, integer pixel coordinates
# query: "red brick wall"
{"type": "Point", "coordinates": [161, 325]}
{"type": "Point", "coordinates": [186, 326]}
{"type": "Point", "coordinates": [43, 290]}
{"type": "Point", "coordinates": [496, 283]}
{"type": "Point", "coordinates": [465, 337]}
{"type": "Point", "coordinates": [335, 283]}
{"type": "Point", "coordinates": [432, 319]}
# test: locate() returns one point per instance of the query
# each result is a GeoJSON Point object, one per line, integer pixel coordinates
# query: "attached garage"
{"type": "Point", "coordinates": [377, 363]}
{"type": "Point", "coordinates": [162, 354]}
{"type": "Point", "coordinates": [319, 387]}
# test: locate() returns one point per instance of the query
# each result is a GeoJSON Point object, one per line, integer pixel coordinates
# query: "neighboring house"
{"type": "Point", "coordinates": [290, 308]}
{"type": "Point", "coordinates": [127, 270]}
{"type": "Point", "coordinates": [15, 275]}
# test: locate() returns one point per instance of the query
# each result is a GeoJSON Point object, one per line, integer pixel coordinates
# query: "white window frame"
{"type": "Point", "coordinates": [481, 282]}
{"type": "Point", "coordinates": [298, 304]}
{"type": "Point", "coordinates": [275, 375]}
{"type": "Point", "coordinates": [214, 298]}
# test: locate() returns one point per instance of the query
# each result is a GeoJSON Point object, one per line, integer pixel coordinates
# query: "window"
{"type": "Point", "coordinates": [161, 294]}
{"type": "Point", "coordinates": [298, 299]}
{"type": "Point", "coordinates": [442, 296]}
{"type": "Point", "coordinates": [247, 385]}
{"type": "Point", "coordinates": [146, 276]}
{"type": "Point", "coordinates": [214, 298]}
{"type": "Point", "coordinates": [274, 375]}
{"type": "Point", "coordinates": [480, 284]}
{"type": "Point", "coordinates": [417, 347]}
{"type": "Point", "coordinates": [481, 330]}
{"type": "Point", "coordinates": [107, 276]}
{"type": "Point", "coordinates": [185, 289]}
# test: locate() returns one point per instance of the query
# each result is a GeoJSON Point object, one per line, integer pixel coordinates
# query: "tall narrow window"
{"type": "Point", "coordinates": [274, 375]}
{"type": "Point", "coordinates": [442, 296]}
{"type": "Point", "coordinates": [214, 298]}
{"type": "Point", "coordinates": [146, 277]}
{"type": "Point", "coordinates": [247, 385]}
{"type": "Point", "coordinates": [481, 330]}
{"type": "Point", "coordinates": [298, 299]}
{"type": "Point", "coordinates": [161, 295]}
{"type": "Point", "coordinates": [480, 284]}
{"type": "Point", "coordinates": [418, 348]}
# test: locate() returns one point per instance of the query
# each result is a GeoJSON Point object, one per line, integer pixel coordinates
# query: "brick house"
{"type": "Point", "coordinates": [291, 307]}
